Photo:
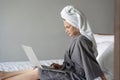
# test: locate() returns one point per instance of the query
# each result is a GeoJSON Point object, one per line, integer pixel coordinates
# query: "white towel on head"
{"type": "Point", "coordinates": [77, 19]}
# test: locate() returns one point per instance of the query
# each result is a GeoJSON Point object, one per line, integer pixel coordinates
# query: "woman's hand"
{"type": "Point", "coordinates": [56, 66]}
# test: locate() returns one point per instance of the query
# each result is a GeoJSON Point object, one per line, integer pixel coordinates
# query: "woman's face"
{"type": "Point", "coordinates": [70, 30]}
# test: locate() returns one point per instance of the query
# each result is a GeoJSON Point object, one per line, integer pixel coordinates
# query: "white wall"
{"type": "Point", "coordinates": [37, 23]}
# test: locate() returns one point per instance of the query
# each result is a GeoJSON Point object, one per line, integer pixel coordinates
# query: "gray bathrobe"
{"type": "Point", "coordinates": [79, 63]}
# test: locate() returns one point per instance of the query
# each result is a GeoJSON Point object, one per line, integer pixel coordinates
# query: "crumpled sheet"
{"type": "Point", "coordinates": [22, 65]}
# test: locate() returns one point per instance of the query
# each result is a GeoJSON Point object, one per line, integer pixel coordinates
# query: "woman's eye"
{"type": "Point", "coordinates": [68, 26]}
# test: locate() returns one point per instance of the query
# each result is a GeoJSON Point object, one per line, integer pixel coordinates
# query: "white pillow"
{"type": "Point", "coordinates": [103, 38]}
{"type": "Point", "coordinates": [102, 46]}
{"type": "Point", "coordinates": [106, 61]}
{"type": "Point", "coordinates": [105, 47]}
{"type": "Point", "coordinates": [103, 41]}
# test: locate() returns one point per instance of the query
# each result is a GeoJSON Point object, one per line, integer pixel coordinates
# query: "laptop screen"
{"type": "Point", "coordinates": [31, 56]}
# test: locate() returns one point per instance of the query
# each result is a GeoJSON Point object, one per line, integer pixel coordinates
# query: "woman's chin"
{"type": "Point", "coordinates": [71, 35]}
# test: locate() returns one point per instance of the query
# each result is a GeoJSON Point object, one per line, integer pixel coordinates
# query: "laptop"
{"type": "Point", "coordinates": [31, 56]}
{"type": "Point", "coordinates": [33, 59]}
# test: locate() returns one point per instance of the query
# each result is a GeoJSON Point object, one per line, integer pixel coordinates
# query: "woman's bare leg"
{"type": "Point", "coordinates": [29, 75]}
{"type": "Point", "coordinates": [4, 75]}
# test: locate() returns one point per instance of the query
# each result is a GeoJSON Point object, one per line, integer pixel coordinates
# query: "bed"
{"type": "Point", "coordinates": [105, 47]}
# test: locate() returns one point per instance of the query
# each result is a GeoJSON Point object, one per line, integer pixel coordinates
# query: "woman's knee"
{"type": "Point", "coordinates": [36, 73]}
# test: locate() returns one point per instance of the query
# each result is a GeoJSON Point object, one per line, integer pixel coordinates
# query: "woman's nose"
{"type": "Point", "coordinates": [66, 30]}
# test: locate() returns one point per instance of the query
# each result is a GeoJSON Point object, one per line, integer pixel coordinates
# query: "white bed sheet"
{"type": "Point", "coordinates": [21, 65]}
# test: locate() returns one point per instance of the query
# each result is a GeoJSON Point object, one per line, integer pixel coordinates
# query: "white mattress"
{"type": "Point", "coordinates": [21, 65]}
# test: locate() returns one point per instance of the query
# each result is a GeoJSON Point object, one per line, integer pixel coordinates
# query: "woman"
{"type": "Point", "coordinates": [80, 57]}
